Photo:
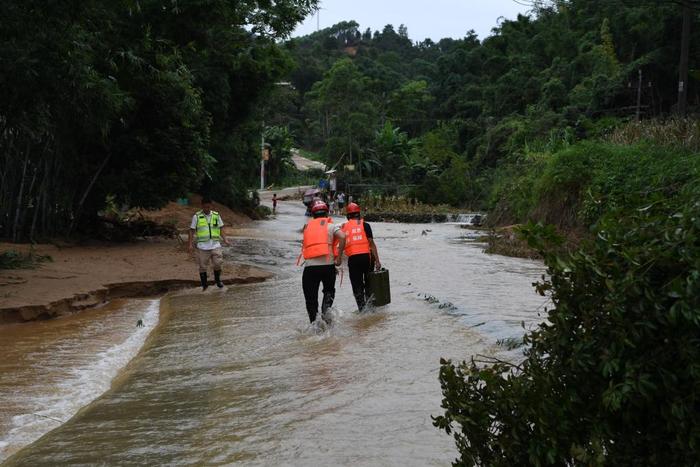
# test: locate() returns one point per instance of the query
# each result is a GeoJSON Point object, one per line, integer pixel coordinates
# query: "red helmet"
{"type": "Point", "coordinates": [319, 206]}
{"type": "Point", "coordinates": [353, 208]}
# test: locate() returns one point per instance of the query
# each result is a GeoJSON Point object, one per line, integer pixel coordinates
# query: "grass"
{"type": "Point", "coordinates": [403, 205]}
{"type": "Point", "coordinates": [507, 243]}
{"type": "Point", "coordinates": [510, 343]}
{"type": "Point", "coordinates": [574, 187]}
{"type": "Point", "coordinates": [676, 132]}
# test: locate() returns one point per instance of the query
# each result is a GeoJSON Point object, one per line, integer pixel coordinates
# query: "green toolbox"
{"type": "Point", "coordinates": [378, 287]}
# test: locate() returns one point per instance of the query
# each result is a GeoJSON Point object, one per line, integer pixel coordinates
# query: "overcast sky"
{"type": "Point", "coordinates": [424, 18]}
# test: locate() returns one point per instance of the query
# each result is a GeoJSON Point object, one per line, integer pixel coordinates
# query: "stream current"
{"type": "Point", "coordinates": [239, 375]}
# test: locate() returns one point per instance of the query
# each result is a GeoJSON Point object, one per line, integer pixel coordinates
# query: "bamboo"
{"type": "Point", "coordinates": [19, 196]}
{"type": "Point", "coordinates": [87, 191]}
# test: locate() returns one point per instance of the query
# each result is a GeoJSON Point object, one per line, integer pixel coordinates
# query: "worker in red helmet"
{"type": "Point", "coordinates": [361, 252]}
{"type": "Point", "coordinates": [321, 238]}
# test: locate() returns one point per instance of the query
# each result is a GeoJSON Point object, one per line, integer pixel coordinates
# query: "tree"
{"type": "Point", "coordinates": [280, 142]}
{"type": "Point", "coordinates": [344, 110]}
{"type": "Point", "coordinates": [409, 106]}
{"type": "Point", "coordinates": [135, 100]}
{"type": "Point", "coordinates": [391, 149]}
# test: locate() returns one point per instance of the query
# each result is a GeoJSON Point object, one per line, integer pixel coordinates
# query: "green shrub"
{"type": "Point", "coordinates": [575, 187]}
{"type": "Point", "coordinates": [13, 259]}
{"type": "Point", "coordinates": [512, 194]}
{"type": "Point", "coordinates": [613, 376]}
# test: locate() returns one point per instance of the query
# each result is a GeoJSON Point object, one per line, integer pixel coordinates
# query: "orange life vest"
{"type": "Point", "coordinates": [315, 242]}
{"type": "Point", "coordinates": [356, 241]}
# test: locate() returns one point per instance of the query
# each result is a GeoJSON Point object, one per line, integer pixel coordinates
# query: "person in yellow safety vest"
{"type": "Point", "coordinates": [321, 237]}
{"type": "Point", "coordinates": [205, 229]}
{"type": "Point", "coordinates": [361, 252]}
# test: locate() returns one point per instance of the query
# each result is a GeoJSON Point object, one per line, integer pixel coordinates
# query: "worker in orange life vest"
{"type": "Point", "coordinates": [361, 252]}
{"type": "Point", "coordinates": [321, 238]}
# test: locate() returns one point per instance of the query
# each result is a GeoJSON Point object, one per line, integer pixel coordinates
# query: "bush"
{"type": "Point", "coordinates": [13, 259]}
{"type": "Point", "coordinates": [613, 376]}
{"type": "Point", "coordinates": [575, 187]}
{"type": "Point", "coordinates": [512, 191]}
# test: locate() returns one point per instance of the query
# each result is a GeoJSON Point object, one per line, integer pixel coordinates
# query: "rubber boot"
{"type": "Point", "coordinates": [203, 279]}
{"type": "Point", "coordinates": [217, 279]}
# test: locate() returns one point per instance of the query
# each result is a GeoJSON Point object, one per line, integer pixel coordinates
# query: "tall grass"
{"type": "Point", "coordinates": [377, 203]}
{"type": "Point", "coordinates": [676, 132]}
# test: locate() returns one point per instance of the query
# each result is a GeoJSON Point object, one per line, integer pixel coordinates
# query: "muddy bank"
{"type": "Point", "coordinates": [81, 277]}
{"type": "Point", "coordinates": [104, 295]}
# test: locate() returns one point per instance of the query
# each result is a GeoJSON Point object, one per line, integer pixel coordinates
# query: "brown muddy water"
{"type": "Point", "coordinates": [239, 376]}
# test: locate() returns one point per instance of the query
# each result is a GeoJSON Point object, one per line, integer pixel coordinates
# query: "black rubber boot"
{"type": "Point", "coordinates": [203, 279]}
{"type": "Point", "coordinates": [217, 279]}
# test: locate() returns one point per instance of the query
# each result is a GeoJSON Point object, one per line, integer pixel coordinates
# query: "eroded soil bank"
{"type": "Point", "coordinates": [80, 277]}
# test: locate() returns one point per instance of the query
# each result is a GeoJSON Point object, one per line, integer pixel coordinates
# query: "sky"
{"type": "Point", "coordinates": [424, 18]}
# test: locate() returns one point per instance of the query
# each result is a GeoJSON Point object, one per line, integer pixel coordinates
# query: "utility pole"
{"type": "Point", "coordinates": [683, 67]}
{"type": "Point", "coordinates": [639, 96]}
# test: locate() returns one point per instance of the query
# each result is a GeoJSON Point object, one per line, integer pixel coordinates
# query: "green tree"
{"type": "Point", "coordinates": [135, 100]}
{"type": "Point", "coordinates": [281, 143]}
{"type": "Point", "coordinates": [344, 111]}
{"type": "Point", "coordinates": [409, 107]}
{"type": "Point", "coordinates": [391, 150]}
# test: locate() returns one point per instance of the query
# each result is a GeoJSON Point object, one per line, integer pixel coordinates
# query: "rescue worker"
{"type": "Point", "coordinates": [361, 252]}
{"type": "Point", "coordinates": [320, 237]}
{"type": "Point", "coordinates": [206, 230]}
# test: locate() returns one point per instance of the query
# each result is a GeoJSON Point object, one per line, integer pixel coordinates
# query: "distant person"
{"type": "Point", "coordinates": [361, 252]}
{"type": "Point", "coordinates": [274, 202]}
{"type": "Point", "coordinates": [331, 206]}
{"type": "Point", "coordinates": [320, 235]}
{"type": "Point", "coordinates": [341, 201]}
{"type": "Point", "coordinates": [206, 229]}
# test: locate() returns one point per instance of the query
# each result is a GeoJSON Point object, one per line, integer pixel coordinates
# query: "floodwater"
{"type": "Point", "coordinates": [239, 376]}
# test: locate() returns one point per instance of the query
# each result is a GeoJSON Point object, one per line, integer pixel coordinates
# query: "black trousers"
{"type": "Point", "coordinates": [311, 279]}
{"type": "Point", "coordinates": [360, 266]}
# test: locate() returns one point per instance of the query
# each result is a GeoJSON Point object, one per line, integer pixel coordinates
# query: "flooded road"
{"type": "Point", "coordinates": [238, 375]}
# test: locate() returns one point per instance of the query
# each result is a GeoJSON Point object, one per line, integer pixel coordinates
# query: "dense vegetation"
{"type": "Point", "coordinates": [612, 377]}
{"type": "Point", "coordinates": [143, 101]}
{"type": "Point", "coordinates": [539, 122]}
{"type": "Point", "coordinates": [139, 100]}
{"type": "Point", "coordinates": [136, 102]}
{"type": "Point", "coordinates": [456, 118]}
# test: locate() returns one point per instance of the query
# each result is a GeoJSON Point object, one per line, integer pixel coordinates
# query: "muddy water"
{"type": "Point", "coordinates": [238, 375]}
{"type": "Point", "coordinates": [50, 369]}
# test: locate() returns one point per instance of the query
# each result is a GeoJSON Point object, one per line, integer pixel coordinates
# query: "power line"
{"type": "Point", "coordinates": [693, 4]}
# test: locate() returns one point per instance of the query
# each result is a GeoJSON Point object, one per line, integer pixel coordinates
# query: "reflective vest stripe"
{"type": "Point", "coordinates": [356, 241]}
{"type": "Point", "coordinates": [208, 230]}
